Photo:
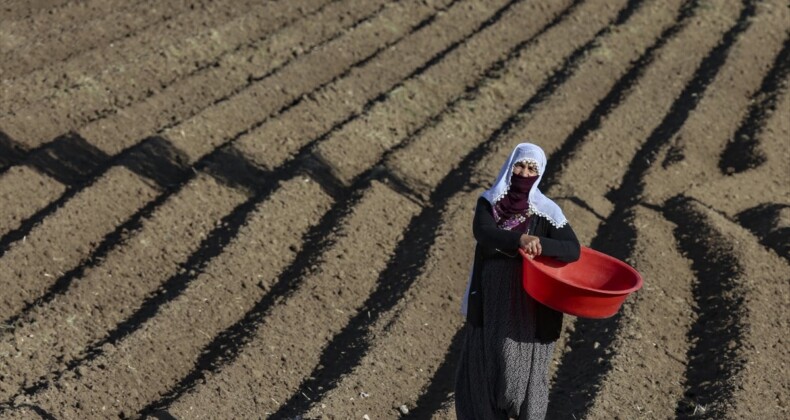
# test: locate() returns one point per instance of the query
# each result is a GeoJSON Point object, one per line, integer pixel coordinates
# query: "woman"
{"type": "Point", "coordinates": [509, 337]}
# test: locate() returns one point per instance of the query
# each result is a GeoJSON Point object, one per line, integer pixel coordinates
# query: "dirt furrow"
{"type": "Point", "coordinates": [23, 191]}
{"type": "Point", "coordinates": [725, 102]}
{"type": "Point", "coordinates": [39, 42]}
{"type": "Point", "coordinates": [69, 166]}
{"type": "Point", "coordinates": [462, 8]}
{"type": "Point", "coordinates": [393, 13]}
{"type": "Point", "coordinates": [771, 223]}
{"type": "Point", "coordinates": [407, 108]}
{"type": "Point", "coordinates": [61, 241]}
{"type": "Point", "coordinates": [55, 333]}
{"type": "Point", "coordinates": [760, 287]}
{"type": "Point", "coordinates": [235, 72]}
{"type": "Point", "coordinates": [80, 70]}
{"type": "Point", "coordinates": [180, 101]}
{"type": "Point", "coordinates": [25, 10]}
{"type": "Point", "coordinates": [339, 104]}
{"type": "Point", "coordinates": [716, 357]}
{"type": "Point", "coordinates": [323, 304]}
{"type": "Point", "coordinates": [67, 163]}
{"type": "Point", "coordinates": [220, 294]}
{"type": "Point", "coordinates": [743, 150]}
{"type": "Point", "coordinates": [649, 353]}
{"type": "Point", "coordinates": [219, 122]}
{"type": "Point", "coordinates": [627, 127]}
{"type": "Point", "coordinates": [154, 161]}
{"type": "Point", "coordinates": [419, 328]}
{"type": "Point", "coordinates": [692, 158]}
{"type": "Point", "coordinates": [223, 122]}
{"type": "Point", "coordinates": [612, 61]}
{"type": "Point", "coordinates": [250, 108]}
{"type": "Point", "coordinates": [617, 234]}
{"type": "Point", "coordinates": [758, 198]}
{"type": "Point", "coordinates": [737, 193]}
{"type": "Point", "coordinates": [78, 97]}
{"type": "Point", "coordinates": [415, 164]}
{"type": "Point", "coordinates": [226, 166]}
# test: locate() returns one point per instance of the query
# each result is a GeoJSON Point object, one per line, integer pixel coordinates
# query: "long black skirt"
{"type": "Point", "coordinates": [503, 370]}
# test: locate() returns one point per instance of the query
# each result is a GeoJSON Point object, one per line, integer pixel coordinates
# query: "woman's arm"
{"type": "Point", "coordinates": [488, 234]}
{"type": "Point", "coordinates": [561, 244]}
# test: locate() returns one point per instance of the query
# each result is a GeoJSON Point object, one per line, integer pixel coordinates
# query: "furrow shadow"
{"type": "Point", "coordinates": [141, 160]}
{"type": "Point", "coordinates": [21, 159]}
{"type": "Point", "coordinates": [742, 151]}
{"type": "Point", "coordinates": [616, 236]}
{"type": "Point", "coordinates": [308, 165]}
{"type": "Point", "coordinates": [352, 343]}
{"type": "Point", "coordinates": [442, 385]}
{"type": "Point", "coordinates": [156, 159]}
{"type": "Point", "coordinates": [226, 347]}
{"type": "Point", "coordinates": [227, 166]}
{"type": "Point", "coordinates": [763, 221]}
{"type": "Point", "coordinates": [11, 151]}
{"type": "Point", "coordinates": [303, 161]}
{"type": "Point", "coordinates": [562, 156]}
{"type": "Point", "coordinates": [153, 158]}
{"type": "Point", "coordinates": [717, 334]}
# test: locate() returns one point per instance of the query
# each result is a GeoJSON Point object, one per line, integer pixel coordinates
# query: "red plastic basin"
{"type": "Point", "coordinates": [595, 286]}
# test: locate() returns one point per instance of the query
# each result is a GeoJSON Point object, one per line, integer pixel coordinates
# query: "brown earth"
{"type": "Point", "coordinates": [235, 209]}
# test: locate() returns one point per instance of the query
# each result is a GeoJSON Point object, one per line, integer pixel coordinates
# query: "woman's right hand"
{"type": "Point", "coordinates": [531, 245]}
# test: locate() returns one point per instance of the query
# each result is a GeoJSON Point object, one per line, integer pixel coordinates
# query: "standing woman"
{"type": "Point", "coordinates": [509, 337]}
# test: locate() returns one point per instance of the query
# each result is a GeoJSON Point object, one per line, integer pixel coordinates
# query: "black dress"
{"type": "Point", "coordinates": [509, 337]}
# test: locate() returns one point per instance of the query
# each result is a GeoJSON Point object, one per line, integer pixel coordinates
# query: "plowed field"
{"type": "Point", "coordinates": [246, 209]}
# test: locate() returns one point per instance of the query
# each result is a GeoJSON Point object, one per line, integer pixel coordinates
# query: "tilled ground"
{"type": "Point", "coordinates": [237, 209]}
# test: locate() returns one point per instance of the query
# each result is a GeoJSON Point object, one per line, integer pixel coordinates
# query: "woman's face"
{"type": "Point", "coordinates": [525, 169]}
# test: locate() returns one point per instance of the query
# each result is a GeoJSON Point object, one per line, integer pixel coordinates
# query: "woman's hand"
{"type": "Point", "coordinates": [531, 245]}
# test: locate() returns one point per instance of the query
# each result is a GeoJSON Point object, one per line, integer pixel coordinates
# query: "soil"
{"type": "Point", "coordinates": [236, 209]}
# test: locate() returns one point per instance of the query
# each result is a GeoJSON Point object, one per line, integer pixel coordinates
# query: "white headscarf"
{"type": "Point", "coordinates": [539, 204]}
